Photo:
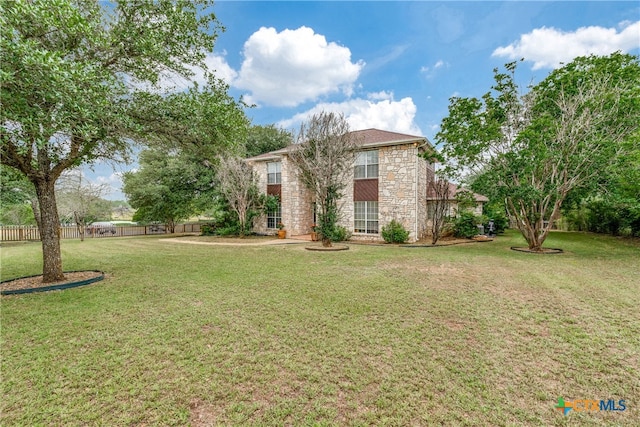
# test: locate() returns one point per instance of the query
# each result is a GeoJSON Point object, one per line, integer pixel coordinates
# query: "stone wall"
{"type": "Point", "coordinates": [297, 202]}
{"type": "Point", "coordinates": [402, 189]}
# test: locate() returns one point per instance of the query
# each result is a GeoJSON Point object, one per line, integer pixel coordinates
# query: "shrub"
{"type": "Point", "coordinates": [230, 230]}
{"type": "Point", "coordinates": [465, 225]}
{"type": "Point", "coordinates": [339, 234]}
{"type": "Point", "coordinates": [497, 214]}
{"type": "Point", "coordinates": [394, 232]}
{"type": "Point", "coordinates": [208, 229]}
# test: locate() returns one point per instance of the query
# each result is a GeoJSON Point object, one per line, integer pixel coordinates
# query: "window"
{"type": "Point", "coordinates": [366, 165]}
{"type": "Point", "coordinates": [365, 217]}
{"type": "Point", "coordinates": [274, 173]}
{"type": "Point", "coordinates": [274, 217]}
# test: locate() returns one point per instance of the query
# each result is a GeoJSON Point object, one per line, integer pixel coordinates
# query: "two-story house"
{"type": "Point", "coordinates": [390, 181]}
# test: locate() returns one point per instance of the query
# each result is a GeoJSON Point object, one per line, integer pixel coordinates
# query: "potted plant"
{"type": "Point", "coordinates": [282, 233]}
{"type": "Point", "coordinates": [314, 233]}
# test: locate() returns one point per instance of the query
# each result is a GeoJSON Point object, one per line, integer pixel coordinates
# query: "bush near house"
{"type": "Point", "coordinates": [394, 232]}
{"type": "Point", "coordinates": [466, 225]}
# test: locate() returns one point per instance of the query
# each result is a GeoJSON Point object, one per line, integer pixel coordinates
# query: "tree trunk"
{"type": "Point", "coordinates": [49, 226]}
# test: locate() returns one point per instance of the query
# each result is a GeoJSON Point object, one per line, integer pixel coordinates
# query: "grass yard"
{"type": "Point", "coordinates": [182, 334]}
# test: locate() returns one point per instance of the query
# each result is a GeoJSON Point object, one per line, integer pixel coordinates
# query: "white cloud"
{"type": "Point", "coordinates": [378, 96]}
{"type": "Point", "coordinates": [430, 71]}
{"type": "Point", "coordinates": [548, 47]}
{"type": "Point", "coordinates": [385, 114]}
{"type": "Point", "coordinates": [172, 82]}
{"type": "Point", "coordinates": [294, 66]}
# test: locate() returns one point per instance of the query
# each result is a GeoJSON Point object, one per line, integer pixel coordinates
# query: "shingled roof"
{"type": "Point", "coordinates": [365, 138]}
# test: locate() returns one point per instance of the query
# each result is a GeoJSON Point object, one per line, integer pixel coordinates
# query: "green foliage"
{"type": "Point", "coordinates": [71, 76]}
{"type": "Point", "coordinates": [340, 233]}
{"type": "Point", "coordinates": [263, 139]}
{"type": "Point", "coordinates": [615, 216]}
{"type": "Point", "coordinates": [466, 225]}
{"type": "Point", "coordinates": [394, 232]}
{"type": "Point", "coordinates": [532, 150]}
{"type": "Point", "coordinates": [496, 213]}
{"type": "Point", "coordinates": [465, 200]}
{"type": "Point", "coordinates": [203, 121]}
{"type": "Point", "coordinates": [168, 187]}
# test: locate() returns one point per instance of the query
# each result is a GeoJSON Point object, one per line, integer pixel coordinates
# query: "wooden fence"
{"type": "Point", "coordinates": [9, 233]}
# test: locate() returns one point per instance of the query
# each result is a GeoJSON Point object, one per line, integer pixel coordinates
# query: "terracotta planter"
{"type": "Point", "coordinates": [282, 234]}
{"type": "Point", "coordinates": [314, 236]}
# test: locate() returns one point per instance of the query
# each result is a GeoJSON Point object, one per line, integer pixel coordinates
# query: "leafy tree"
{"type": "Point", "coordinates": [168, 187]}
{"type": "Point", "coordinates": [263, 139]}
{"type": "Point", "coordinates": [536, 148]}
{"type": "Point", "coordinates": [324, 159]}
{"type": "Point", "coordinates": [238, 184]}
{"type": "Point", "coordinates": [201, 121]}
{"type": "Point", "coordinates": [69, 72]}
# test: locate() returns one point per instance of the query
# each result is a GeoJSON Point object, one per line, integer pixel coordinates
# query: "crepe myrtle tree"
{"type": "Point", "coordinates": [69, 71]}
{"type": "Point", "coordinates": [238, 184]}
{"type": "Point", "coordinates": [535, 148]}
{"type": "Point", "coordinates": [324, 157]}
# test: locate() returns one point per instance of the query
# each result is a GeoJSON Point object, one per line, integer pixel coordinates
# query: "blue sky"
{"type": "Point", "coordinates": [394, 65]}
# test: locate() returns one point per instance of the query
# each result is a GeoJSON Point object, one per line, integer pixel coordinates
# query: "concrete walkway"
{"type": "Point", "coordinates": [289, 241]}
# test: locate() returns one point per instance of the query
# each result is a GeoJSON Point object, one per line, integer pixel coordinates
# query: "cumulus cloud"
{"type": "Point", "coordinates": [293, 66]}
{"type": "Point", "coordinates": [386, 114]}
{"type": "Point", "coordinates": [548, 47]}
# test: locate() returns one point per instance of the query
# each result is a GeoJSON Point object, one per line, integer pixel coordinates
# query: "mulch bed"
{"type": "Point", "coordinates": [35, 282]}
{"type": "Point", "coordinates": [543, 251]}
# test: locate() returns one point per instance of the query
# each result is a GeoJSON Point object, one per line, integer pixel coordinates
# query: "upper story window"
{"type": "Point", "coordinates": [366, 165]}
{"type": "Point", "coordinates": [274, 174]}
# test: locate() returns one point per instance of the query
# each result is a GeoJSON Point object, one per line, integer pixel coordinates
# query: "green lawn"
{"type": "Point", "coordinates": [183, 334]}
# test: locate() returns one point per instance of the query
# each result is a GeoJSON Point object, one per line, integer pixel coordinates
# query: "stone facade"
{"type": "Point", "coordinates": [402, 188]}
{"type": "Point", "coordinates": [296, 201]}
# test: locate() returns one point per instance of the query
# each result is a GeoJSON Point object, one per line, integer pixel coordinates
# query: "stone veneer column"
{"type": "Point", "coordinates": [398, 187]}
{"type": "Point", "coordinates": [297, 206]}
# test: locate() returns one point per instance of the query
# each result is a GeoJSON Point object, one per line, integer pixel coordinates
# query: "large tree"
{"type": "Point", "coordinates": [168, 187]}
{"type": "Point", "coordinates": [263, 139]}
{"type": "Point", "coordinates": [69, 72]}
{"type": "Point", "coordinates": [324, 159]}
{"type": "Point", "coordinates": [238, 184]}
{"type": "Point", "coordinates": [533, 149]}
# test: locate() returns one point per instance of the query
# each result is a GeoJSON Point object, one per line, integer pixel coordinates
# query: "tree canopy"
{"type": "Point", "coordinates": [532, 150]}
{"type": "Point", "coordinates": [168, 187]}
{"type": "Point", "coordinates": [74, 76]}
{"type": "Point", "coordinates": [263, 139]}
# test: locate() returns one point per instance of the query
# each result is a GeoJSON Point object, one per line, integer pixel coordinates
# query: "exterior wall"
{"type": "Point", "coordinates": [297, 202]}
{"type": "Point", "coordinates": [402, 189]}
